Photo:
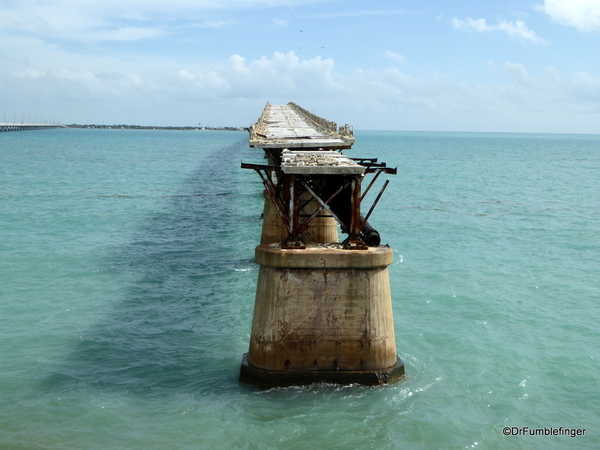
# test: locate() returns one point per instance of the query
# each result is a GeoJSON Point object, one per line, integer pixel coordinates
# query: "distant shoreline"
{"type": "Point", "coordinates": [144, 127]}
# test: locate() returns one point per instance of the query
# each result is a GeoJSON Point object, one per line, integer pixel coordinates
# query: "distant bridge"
{"type": "Point", "coordinates": [27, 126]}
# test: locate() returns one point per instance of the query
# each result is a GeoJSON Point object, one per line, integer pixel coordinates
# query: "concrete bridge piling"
{"type": "Point", "coordinates": [323, 308]}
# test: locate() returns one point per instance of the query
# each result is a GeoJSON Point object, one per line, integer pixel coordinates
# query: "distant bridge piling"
{"type": "Point", "coordinates": [4, 127]}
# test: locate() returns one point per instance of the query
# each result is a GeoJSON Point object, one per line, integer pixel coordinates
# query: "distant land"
{"type": "Point", "coordinates": [145, 127]}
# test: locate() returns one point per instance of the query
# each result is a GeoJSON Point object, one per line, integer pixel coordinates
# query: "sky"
{"type": "Point", "coordinates": [415, 65]}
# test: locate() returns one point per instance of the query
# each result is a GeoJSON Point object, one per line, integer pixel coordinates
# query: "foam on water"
{"type": "Point", "coordinates": [127, 286]}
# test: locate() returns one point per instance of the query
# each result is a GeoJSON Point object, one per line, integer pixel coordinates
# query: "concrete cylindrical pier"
{"type": "Point", "coordinates": [273, 228]}
{"type": "Point", "coordinates": [322, 315]}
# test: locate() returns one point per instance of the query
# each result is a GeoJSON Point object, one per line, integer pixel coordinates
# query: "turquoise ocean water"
{"type": "Point", "coordinates": [127, 286]}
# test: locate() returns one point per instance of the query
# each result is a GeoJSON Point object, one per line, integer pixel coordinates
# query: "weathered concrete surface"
{"type": "Point", "coordinates": [318, 163]}
{"type": "Point", "coordinates": [273, 228]}
{"type": "Point", "coordinates": [289, 126]}
{"type": "Point", "coordinates": [267, 379]}
{"type": "Point", "coordinates": [316, 257]}
{"type": "Point", "coordinates": [323, 310]}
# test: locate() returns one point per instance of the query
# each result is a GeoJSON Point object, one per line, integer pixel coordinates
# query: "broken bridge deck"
{"type": "Point", "coordinates": [291, 126]}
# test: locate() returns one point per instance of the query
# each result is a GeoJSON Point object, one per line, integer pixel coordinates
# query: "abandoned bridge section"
{"type": "Point", "coordinates": [323, 309]}
{"type": "Point", "coordinates": [293, 127]}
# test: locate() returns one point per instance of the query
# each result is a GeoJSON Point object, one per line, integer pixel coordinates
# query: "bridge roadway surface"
{"type": "Point", "coordinates": [290, 126]}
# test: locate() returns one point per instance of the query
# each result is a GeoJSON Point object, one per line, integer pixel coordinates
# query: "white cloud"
{"type": "Point", "coordinates": [30, 73]}
{"type": "Point", "coordinates": [127, 34]}
{"type": "Point", "coordinates": [214, 24]}
{"type": "Point", "coordinates": [581, 14]}
{"type": "Point", "coordinates": [86, 20]}
{"type": "Point", "coordinates": [362, 13]}
{"type": "Point", "coordinates": [518, 73]}
{"type": "Point", "coordinates": [516, 30]}
{"type": "Point", "coordinates": [284, 74]}
{"type": "Point", "coordinates": [587, 87]}
{"type": "Point", "coordinates": [552, 75]}
{"type": "Point", "coordinates": [396, 57]}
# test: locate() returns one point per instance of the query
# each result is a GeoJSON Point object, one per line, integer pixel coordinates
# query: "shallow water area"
{"type": "Point", "coordinates": [127, 281]}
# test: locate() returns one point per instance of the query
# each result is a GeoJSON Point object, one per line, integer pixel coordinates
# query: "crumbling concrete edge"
{"type": "Point", "coordinates": [268, 379]}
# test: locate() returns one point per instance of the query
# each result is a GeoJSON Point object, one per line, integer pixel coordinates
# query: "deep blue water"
{"type": "Point", "coordinates": [127, 286]}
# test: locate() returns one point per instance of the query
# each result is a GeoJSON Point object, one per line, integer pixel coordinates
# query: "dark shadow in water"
{"type": "Point", "coordinates": [184, 316]}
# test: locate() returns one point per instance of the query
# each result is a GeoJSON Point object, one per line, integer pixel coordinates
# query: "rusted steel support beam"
{"type": "Point", "coordinates": [354, 207]}
{"type": "Point", "coordinates": [271, 189]}
{"type": "Point", "coordinates": [369, 186]}
{"type": "Point", "coordinates": [319, 209]}
{"type": "Point", "coordinates": [292, 197]}
{"type": "Point", "coordinates": [374, 204]}
{"type": "Point", "coordinates": [388, 170]}
{"type": "Point", "coordinates": [372, 165]}
{"type": "Point", "coordinates": [259, 166]}
{"type": "Point", "coordinates": [285, 187]}
{"type": "Point", "coordinates": [363, 161]}
{"type": "Point", "coordinates": [324, 204]}
{"type": "Point", "coordinates": [354, 240]}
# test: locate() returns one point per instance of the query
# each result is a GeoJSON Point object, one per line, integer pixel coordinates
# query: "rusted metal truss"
{"type": "Point", "coordinates": [339, 195]}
